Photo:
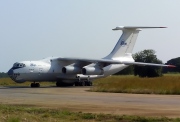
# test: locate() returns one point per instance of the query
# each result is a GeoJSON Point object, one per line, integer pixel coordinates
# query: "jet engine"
{"type": "Point", "coordinates": [71, 70]}
{"type": "Point", "coordinates": [92, 71]}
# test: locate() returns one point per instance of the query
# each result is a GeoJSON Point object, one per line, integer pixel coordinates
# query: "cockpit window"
{"type": "Point", "coordinates": [18, 65]}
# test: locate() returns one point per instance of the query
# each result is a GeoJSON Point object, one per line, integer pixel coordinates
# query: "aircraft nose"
{"type": "Point", "coordinates": [10, 72]}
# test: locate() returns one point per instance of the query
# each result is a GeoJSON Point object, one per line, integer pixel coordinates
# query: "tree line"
{"type": "Point", "coordinates": [3, 75]}
{"type": "Point", "coordinates": [148, 56]}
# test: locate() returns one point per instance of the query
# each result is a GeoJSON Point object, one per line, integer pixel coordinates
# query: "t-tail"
{"type": "Point", "coordinates": [126, 42]}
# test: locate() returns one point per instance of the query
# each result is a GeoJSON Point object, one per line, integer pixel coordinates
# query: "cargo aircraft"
{"type": "Point", "coordinates": [68, 71]}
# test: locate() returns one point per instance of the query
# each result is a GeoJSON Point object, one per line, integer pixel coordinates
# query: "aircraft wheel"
{"type": "Point", "coordinates": [86, 83]}
{"type": "Point", "coordinates": [90, 83]}
{"type": "Point", "coordinates": [37, 85]}
{"type": "Point", "coordinates": [58, 84]}
{"type": "Point", "coordinates": [83, 83]}
{"type": "Point", "coordinates": [32, 85]}
{"type": "Point", "coordinates": [80, 83]}
{"type": "Point", "coordinates": [76, 83]}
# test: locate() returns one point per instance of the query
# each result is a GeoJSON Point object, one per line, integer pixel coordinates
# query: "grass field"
{"type": "Point", "coordinates": [167, 84]}
{"type": "Point", "coordinates": [21, 113]}
{"type": "Point", "coordinates": [9, 82]}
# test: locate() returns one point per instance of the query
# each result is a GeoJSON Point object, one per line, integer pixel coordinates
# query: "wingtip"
{"type": "Point", "coordinates": [171, 66]}
{"type": "Point", "coordinates": [162, 27]}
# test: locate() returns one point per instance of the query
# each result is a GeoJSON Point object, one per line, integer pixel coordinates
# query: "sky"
{"type": "Point", "coordinates": [36, 29]}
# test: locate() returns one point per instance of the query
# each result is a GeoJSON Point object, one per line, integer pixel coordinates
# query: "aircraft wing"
{"type": "Point", "coordinates": [106, 62]}
{"type": "Point", "coordinates": [146, 64]}
{"type": "Point", "coordinates": [81, 62]}
{"type": "Point", "coordinates": [90, 60]}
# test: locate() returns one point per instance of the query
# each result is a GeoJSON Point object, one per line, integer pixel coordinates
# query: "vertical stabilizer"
{"type": "Point", "coordinates": [127, 41]}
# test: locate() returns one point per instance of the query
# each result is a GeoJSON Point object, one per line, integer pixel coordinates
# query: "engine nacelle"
{"type": "Point", "coordinates": [92, 71]}
{"type": "Point", "coordinates": [71, 70]}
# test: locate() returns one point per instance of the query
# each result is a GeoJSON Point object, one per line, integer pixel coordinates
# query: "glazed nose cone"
{"type": "Point", "coordinates": [10, 72]}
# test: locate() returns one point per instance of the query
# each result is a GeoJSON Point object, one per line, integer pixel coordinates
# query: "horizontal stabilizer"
{"type": "Point", "coordinates": [134, 27]}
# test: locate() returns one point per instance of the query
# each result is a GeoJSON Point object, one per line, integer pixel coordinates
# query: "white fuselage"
{"type": "Point", "coordinates": [50, 70]}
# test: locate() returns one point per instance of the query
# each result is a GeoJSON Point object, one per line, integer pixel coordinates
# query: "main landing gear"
{"type": "Point", "coordinates": [77, 82]}
{"type": "Point", "coordinates": [81, 82]}
{"type": "Point", "coordinates": [33, 85]}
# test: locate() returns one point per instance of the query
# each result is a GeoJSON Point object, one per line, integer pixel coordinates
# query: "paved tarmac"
{"type": "Point", "coordinates": [80, 99]}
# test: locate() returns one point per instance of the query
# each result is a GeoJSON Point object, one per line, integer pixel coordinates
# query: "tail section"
{"type": "Point", "coordinates": [127, 41]}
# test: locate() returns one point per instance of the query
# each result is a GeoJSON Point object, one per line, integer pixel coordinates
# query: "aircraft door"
{"type": "Point", "coordinates": [40, 71]}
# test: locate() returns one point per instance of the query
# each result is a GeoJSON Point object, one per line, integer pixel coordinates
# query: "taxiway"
{"type": "Point", "coordinates": [80, 99]}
